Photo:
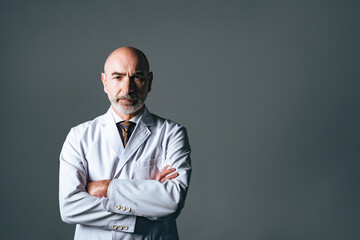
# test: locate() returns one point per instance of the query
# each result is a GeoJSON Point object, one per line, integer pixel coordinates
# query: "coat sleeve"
{"type": "Point", "coordinates": [76, 205]}
{"type": "Point", "coordinates": [150, 198]}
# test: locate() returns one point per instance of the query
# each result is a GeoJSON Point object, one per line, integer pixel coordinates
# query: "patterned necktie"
{"type": "Point", "coordinates": [126, 126]}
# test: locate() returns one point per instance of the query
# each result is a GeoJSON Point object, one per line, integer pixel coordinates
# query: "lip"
{"type": "Point", "coordinates": [127, 100]}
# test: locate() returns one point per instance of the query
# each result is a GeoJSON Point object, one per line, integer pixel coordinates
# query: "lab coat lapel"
{"type": "Point", "coordinates": [137, 138]}
{"type": "Point", "coordinates": [112, 134]}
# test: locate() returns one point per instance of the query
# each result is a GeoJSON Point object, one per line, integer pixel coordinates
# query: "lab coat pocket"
{"type": "Point", "coordinates": [146, 169]}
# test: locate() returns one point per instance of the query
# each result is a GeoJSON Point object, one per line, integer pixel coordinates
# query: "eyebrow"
{"type": "Point", "coordinates": [117, 73]}
{"type": "Point", "coordinates": [139, 72]}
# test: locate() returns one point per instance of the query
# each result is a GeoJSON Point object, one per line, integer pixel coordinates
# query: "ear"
{"type": "Point", "coordinates": [103, 79]}
{"type": "Point", "coordinates": [150, 78]}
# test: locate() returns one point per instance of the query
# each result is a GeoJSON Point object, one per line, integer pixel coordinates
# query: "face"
{"type": "Point", "coordinates": [127, 82]}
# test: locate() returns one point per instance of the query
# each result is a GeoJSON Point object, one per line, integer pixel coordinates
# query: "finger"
{"type": "Point", "coordinates": [160, 174]}
{"type": "Point", "coordinates": [167, 172]}
{"type": "Point", "coordinates": [172, 176]}
{"type": "Point", "coordinates": [164, 168]}
{"type": "Point", "coordinates": [164, 172]}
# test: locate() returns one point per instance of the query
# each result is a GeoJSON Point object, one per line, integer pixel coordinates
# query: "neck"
{"type": "Point", "coordinates": [127, 117]}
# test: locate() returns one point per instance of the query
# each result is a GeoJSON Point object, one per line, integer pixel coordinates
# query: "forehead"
{"type": "Point", "coordinates": [127, 62]}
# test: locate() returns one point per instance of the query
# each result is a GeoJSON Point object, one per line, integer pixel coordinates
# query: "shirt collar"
{"type": "Point", "coordinates": [118, 119]}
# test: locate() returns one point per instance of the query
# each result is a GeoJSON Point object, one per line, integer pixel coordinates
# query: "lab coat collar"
{"type": "Point", "coordinates": [140, 134]}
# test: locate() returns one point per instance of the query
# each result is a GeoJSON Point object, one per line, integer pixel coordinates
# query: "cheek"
{"type": "Point", "coordinates": [141, 93]}
{"type": "Point", "coordinates": [142, 89]}
{"type": "Point", "coordinates": [113, 90]}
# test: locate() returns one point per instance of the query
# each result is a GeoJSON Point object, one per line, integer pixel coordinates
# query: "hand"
{"type": "Point", "coordinates": [98, 188]}
{"type": "Point", "coordinates": [163, 175]}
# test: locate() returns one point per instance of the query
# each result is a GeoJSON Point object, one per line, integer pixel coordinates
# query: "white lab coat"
{"type": "Point", "coordinates": [136, 207]}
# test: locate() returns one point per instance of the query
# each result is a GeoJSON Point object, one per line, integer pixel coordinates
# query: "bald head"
{"type": "Point", "coordinates": [127, 81]}
{"type": "Point", "coordinates": [127, 55]}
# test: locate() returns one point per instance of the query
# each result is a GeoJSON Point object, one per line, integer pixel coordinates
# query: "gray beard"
{"type": "Point", "coordinates": [129, 109]}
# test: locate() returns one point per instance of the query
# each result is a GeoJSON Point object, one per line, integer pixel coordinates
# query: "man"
{"type": "Point", "coordinates": [110, 183]}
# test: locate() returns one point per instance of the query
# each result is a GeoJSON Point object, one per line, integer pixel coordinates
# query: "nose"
{"type": "Point", "coordinates": [127, 85]}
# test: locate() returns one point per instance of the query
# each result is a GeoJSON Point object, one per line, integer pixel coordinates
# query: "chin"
{"type": "Point", "coordinates": [128, 109]}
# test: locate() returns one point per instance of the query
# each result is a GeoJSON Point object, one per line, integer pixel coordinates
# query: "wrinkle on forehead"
{"type": "Point", "coordinates": [126, 57]}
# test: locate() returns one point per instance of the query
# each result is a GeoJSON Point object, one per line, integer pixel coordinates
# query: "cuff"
{"type": "Point", "coordinates": [125, 225]}
{"type": "Point", "coordinates": [116, 203]}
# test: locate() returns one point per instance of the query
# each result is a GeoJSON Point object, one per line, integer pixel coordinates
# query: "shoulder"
{"type": "Point", "coordinates": [90, 127]}
{"type": "Point", "coordinates": [91, 123]}
{"type": "Point", "coordinates": [164, 121]}
{"type": "Point", "coordinates": [171, 134]}
{"type": "Point", "coordinates": [165, 125]}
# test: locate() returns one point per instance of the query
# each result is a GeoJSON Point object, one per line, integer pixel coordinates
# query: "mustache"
{"type": "Point", "coordinates": [126, 97]}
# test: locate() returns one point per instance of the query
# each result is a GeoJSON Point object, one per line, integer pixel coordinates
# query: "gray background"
{"type": "Point", "coordinates": [268, 90]}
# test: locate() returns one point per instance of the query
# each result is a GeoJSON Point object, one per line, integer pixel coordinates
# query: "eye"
{"type": "Point", "coordinates": [117, 77]}
{"type": "Point", "coordinates": [138, 77]}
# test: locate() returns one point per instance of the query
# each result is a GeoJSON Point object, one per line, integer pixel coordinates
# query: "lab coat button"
{"type": "Point", "coordinates": [115, 226]}
{"type": "Point", "coordinates": [122, 208]}
{"type": "Point", "coordinates": [117, 207]}
{"type": "Point", "coordinates": [125, 227]}
{"type": "Point", "coordinates": [128, 209]}
{"type": "Point", "coordinates": [120, 227]}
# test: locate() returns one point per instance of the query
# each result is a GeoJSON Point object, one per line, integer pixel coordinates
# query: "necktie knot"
{"type": "Point", "coordinates": [126, 125]}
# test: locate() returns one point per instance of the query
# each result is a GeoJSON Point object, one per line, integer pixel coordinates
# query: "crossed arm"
{"type": "Point", "coordinates": [88, 203]}
{"type": "Point", "coordinates": [99, 188]}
